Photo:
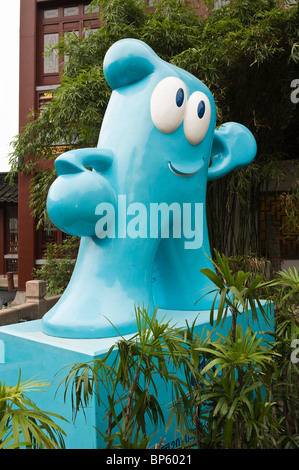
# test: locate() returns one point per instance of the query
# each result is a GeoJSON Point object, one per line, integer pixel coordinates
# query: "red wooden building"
{"type": "Point", "coordinates": [8, 225]}
{"type": "Point", "coordinates": [42, 23]}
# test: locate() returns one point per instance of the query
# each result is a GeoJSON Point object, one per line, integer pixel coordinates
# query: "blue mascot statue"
{"type": "Point", "coordinates": [138, 199]}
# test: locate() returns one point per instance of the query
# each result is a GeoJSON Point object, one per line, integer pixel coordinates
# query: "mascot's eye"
{"type": "Point", "coordinates": [168, 103]}
{"type": "Point", "coordinates": [197, 117]}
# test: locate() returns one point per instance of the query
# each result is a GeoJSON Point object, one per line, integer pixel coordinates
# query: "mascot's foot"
{"type": "Point", "coordinates": [87, 324]}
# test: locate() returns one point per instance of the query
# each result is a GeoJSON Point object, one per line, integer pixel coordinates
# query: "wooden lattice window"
{"type": "Point", "coordinates": [53, 22]}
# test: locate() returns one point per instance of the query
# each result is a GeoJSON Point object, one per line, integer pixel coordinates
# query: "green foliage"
{"type": "Point", "coordinates": [235, 293]}
{"type": "Point", "coordinates": [289, 279]}
{"type": "Point", "coordinates": [285, 295]}
{"type": "Point", "coordinates": [289, 201]}
{"type": "Point", "coordinates": [39, 187]}
{"type": "Point", "coordinates": [22, 423]}
{"type": "Point", "coordinates": [246, 54]}
{"type": "Point", "coordinates": [58, 266]}
{"type": "Point", "coordinates": [232, 409]}
{"type": "Point", "coordinates": [250, 262]}
{"type": "Point", "coordinates": [121, 18]}
{"type": "Point", "coordinates": [171, 28]}
{"type": "Point", "coordinates": [247, 392]}
{"type": "Point", "coordinates": [132, 373]}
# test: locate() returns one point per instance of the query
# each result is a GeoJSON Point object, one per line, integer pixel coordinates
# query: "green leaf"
{"type": "Point", "coordinates": [221, 305]}
{"type": "Point", "coordinates": [239, 296]}
{"type": "Point", "coordinates": [213, 277]}
{"type": "Point", "coordinates": [232, 408]}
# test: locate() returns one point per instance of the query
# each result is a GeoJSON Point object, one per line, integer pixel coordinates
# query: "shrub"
{"type": "Point", "coordinates": [59, 265]}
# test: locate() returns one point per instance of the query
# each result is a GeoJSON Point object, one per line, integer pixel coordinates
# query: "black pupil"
{"type": "Point", "coordinates": [180, 97]}
{"type": "Point", "coordinates": [201, 109]}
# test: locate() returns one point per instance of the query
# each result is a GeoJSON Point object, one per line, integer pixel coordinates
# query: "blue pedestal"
{"type": "Point", "coordinates": [24, 346]}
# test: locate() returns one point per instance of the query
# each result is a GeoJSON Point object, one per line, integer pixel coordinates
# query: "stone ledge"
{"type": "Point", "coordinates": [34, 308]}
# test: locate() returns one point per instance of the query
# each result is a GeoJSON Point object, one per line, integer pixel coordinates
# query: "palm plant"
{"type": "Point", "coordinates": [132, 373]}
{"type": "Point", "coordinates": [22, 423]}
{"type": "Point", "coordinates": [285, 295]}
{"type": "Point", "coordinates": [232, 403]}
{"type": "Point", "coordinates": [279, 378]}
{"type": "Point", "coordinates": [234, 292]}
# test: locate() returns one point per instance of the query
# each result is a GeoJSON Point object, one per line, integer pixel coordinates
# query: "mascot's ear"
{"type": "Point", "coordinates": [233, 147]}
{"type": "Point", "coordinates": [128, 61]}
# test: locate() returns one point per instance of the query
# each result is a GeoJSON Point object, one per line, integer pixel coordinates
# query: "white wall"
{"type": "Point", "coordinates": [290, 263]}
{"type": "Point", "coordinates": [9, 78]}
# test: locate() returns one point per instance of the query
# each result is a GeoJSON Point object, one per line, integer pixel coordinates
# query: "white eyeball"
{"type": "Point", "coordinates": [197, 117]}
{"type": "Point", "coordinates": [168, 104]}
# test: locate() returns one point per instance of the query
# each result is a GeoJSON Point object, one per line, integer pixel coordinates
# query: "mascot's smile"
{"type": "Point", "coordinates": [180, 173]}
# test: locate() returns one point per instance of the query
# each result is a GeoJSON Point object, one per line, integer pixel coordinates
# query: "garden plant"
{"type": "Point", "coordinates": [22, 423]}
{"type": "Point", "coordinates": [235, 389]}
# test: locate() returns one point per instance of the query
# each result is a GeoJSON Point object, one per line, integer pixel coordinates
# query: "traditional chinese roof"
{"type": "Point", "coordinates": [8, 192]}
